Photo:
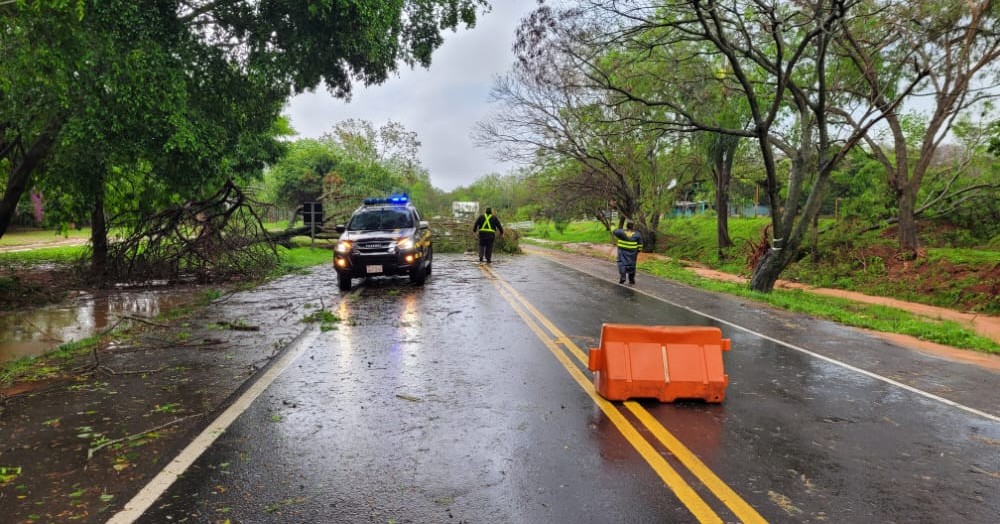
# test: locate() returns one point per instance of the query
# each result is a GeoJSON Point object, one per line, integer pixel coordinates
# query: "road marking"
{"type": "Point", "coordinates": [163, 480]}
{"type": "Point", "coordinates": [698, 507]}
{"type": "Point", "coordinates": [720, 489]}
{"type": "Point", "coordinates": [869, 374]}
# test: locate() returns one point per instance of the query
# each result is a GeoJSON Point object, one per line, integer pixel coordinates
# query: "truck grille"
{"type": "Point", "coordinates": [374, 246]}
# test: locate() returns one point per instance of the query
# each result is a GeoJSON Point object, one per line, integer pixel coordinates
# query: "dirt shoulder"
{"type": "Point", "coordinates": [76, 447]}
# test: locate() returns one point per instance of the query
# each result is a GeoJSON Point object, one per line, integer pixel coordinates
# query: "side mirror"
{"type": "Point", "coordinates": [424, 224]}
{"type": "Point", "coordinates": [341, 228]}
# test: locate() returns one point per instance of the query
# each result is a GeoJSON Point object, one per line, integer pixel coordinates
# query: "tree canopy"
{"type": "Point", "coordinates": [353, 161]}
{"type": "Point", "coordinates": [806, 84]}
{"type": "Point", "coordinates": [177, 96]}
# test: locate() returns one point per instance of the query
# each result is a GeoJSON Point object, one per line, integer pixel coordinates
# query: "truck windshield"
{"type": "Point", "coordinates": [378, 219]}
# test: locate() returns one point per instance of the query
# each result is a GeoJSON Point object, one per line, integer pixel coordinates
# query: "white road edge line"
{"type": "Point", "coordinates": [845, 365]}
{"type": "Point", "coordinates": [166, 477]}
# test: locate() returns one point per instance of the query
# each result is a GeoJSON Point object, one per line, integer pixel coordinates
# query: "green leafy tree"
{"type": "Point", "coordinates": [542, 117]}
{"type": "Point", "coordinates": [206, 78]}
{"type": "Point", "coordinates": [298, 176]}
{"type": "Point", "coordinates": [354, 161]}
{"type": "Point", "coordinates": [948, 52]}
{"type": "Point", "coordinates": [382, 160]}
{"type": "Point", "coordinates": [778, 60]}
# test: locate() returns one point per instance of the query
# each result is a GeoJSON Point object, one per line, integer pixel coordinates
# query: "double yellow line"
{"type": "Point", "coordinates": [552, 339]}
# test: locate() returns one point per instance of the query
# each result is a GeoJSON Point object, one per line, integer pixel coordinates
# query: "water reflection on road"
{"type": "Point", "coordinates": [33, 332]}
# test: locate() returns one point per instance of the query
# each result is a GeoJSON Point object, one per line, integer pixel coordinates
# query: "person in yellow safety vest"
{"type": "Point", "coordinates": [487, 226]}
{"type": "Point", "coordinates": [629, 244]}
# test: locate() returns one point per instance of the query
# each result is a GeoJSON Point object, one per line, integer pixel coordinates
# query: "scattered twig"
{"type": "Point", "coordinates": [93, 350]}
{"type": "Point", "coordinates": [984, 472]}
{"type": "Point", "coordinates": [238, 327]}
{"type": "Point", "coordinates": [407, 397]}
{"type": "Point", "coordinates": [145, 321]}
{"type": "Point", "coordinates": [112, 327]}
{"type": "Point", "coordinates": [289, 312]}
{"type": "Point", "coordinates": [110, 371]}
{"type": "Point", "coordinates": [253, 365]}
{"type": "Point", "coordinates": [102, 445]}
{"type": "Point", "coordinates": [224, 298]}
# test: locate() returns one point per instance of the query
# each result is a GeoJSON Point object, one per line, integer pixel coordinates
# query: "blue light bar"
{"type": "Point", "coordinates": [400, 199]}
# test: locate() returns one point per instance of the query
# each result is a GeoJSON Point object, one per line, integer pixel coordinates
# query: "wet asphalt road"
{"type": "Point", "coordinates": [439, 404]}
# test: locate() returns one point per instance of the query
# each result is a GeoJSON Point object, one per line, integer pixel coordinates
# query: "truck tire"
{"type": "Point", "coordinates": [418, 275]}
{"type": "Point", "coordinates": [344, 281]}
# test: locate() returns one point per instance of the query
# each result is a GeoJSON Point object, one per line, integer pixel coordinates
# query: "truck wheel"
{"type": "Point", "coordinates": [418, 274]}
{"type": "Point", "coordinates": [344, 281]}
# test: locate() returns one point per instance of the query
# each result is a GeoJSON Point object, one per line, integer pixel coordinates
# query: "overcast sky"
{"type": "Point", "coordinates": [441, 104]}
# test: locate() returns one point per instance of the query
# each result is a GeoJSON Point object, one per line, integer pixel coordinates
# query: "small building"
{"type": "Point", "coordinates": [684, 208]}
{"type": "Point", "coordinates": [758, 210]}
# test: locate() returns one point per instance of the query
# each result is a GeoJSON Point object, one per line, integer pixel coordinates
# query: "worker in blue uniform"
{"type": "Point", "coordinates": [629, 244]}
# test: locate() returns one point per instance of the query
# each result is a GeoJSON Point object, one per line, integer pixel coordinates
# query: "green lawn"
{"type": "Point", "coordinates": [61, 254]}
{"type": "Point", "coordinates": [19, 237]}
{"type": "Point", "coordinates": [303, 257]}
{"type": "Point", "coordinates": [589, 231]}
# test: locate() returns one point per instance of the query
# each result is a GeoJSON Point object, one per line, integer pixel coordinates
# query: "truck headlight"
{"type": "Point", "coordinates": [344, 246]}
{"type": "Point", "coordinates": [405, 243]}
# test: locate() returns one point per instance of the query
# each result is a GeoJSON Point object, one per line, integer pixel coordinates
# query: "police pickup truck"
{"type": "Point", "coordinates": [384, 237]}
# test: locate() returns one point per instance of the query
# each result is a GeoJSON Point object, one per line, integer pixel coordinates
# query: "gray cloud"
{"type": "Point", "coordinates": [441, 104]}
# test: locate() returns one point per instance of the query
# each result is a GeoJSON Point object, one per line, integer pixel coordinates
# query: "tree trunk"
{"type": "Point", "coordinates": [815, 239]}
{"type": "Point", "coordinates": [20, 174]}
{"type": "Point", "coordinates": [722, 155]}
{"type": "Point", "coordinates": [99, 235]}
{"type": "Point", "coordinates": [294, 217]}
{"type": "Point", "coordinates": [908, 242]}
{"type": "Point", "coordinates": [766, 273]}
{"type": "Point", "coordinates": [722, 218]}
{"type": "Point", "coordinates": [648, 240]}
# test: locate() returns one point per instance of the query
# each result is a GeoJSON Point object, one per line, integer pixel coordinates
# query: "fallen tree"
{"type": "Point", "coordinates": [219, 238]}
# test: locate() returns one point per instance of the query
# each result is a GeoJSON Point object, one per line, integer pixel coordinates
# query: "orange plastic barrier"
{"type": "Point", "coordinates": [662, 362]}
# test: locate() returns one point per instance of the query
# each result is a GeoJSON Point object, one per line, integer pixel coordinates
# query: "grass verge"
{"type": "Point", "coordinates": [47, 366]}
{"type": "Point", "coordinates": [846, 312]}
{"type": "Point", "coordinates": [843, 311]}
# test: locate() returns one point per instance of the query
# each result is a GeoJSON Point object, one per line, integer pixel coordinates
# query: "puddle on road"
{"type": "Point", "coordinates": [33, 332]}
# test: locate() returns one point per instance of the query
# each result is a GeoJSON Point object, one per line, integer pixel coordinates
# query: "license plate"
{"type": "Point", "coordinates": [374, 269]}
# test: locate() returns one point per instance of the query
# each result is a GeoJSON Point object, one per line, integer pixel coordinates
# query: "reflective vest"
{"type": "Point", "coordinates": [628, 244]}
{"type": "Point", "coordinates": [487, 227]}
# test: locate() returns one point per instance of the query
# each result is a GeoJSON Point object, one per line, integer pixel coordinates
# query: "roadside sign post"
{"type": "Point", "coordinates": [312, 215]}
